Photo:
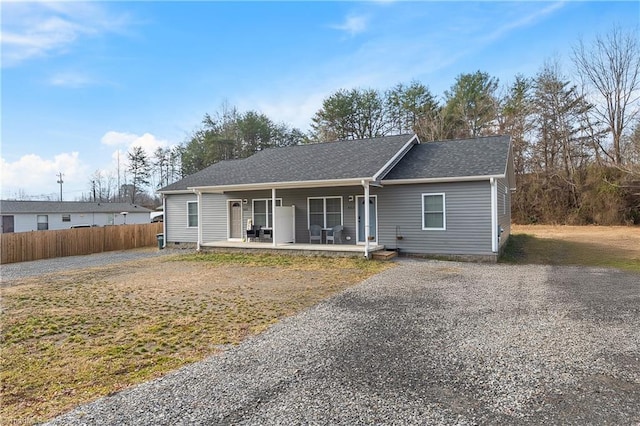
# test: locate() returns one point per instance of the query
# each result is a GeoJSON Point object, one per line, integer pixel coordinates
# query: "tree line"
{"type": "Point", "coordinates": [139, 172]}
{"type": "Point", "coordinates": [576, 138]}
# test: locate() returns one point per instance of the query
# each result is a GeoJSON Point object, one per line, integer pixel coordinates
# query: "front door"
{"type": "Point", "coordinates": [373, 220]}
{"type": "Point", "coordinates": [235, 220]}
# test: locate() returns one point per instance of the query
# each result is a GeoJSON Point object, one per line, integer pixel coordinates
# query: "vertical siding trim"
{"type": "Point", "coordinates": [494, 215]}
{"type": "Point", "coordinates": [199, 198]}
{"type": "Point", "coordinates": [164, 220]}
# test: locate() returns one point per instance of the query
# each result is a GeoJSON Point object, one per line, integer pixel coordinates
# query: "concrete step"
{"type": "Point", "coordinates": [384, 255]}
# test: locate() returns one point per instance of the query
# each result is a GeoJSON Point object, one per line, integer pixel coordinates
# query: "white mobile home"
{"type": "Point", "coordinates": [23, 216]}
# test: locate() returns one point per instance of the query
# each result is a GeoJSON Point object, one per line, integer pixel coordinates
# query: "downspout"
{"type": "Point", "coordinates": [494, 215]}
{"type": "Point", "coordinates": [366, 218]}
{"type": "Point", "coordinates": [164, 220]}
{"type": "Point", "coordinates": [199, 199]}
{"type": "Point", "coordinates": [273, 217]}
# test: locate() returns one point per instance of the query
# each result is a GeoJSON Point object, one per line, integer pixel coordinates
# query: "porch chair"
{"type": "Point", "coordinates": [315, 234]}
{"type": "Point", "coordinates": [253, 233]}
{"type": "Point", "coordinates": [334, 234]}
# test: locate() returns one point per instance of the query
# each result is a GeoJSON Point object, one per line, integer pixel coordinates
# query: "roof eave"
{"type": "Point", "coordinates": [443, 179]}
{"type": "Point", "coordinates": [220, 189]}
{"type": "Point", "coordinates": [176, 191]}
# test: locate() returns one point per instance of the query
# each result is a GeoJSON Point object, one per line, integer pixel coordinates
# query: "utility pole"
{"type": "Point", "coordinates": [93, 184]}
{"type": "Point", "coordinates": [119, 194]}
{"type": "Point", "coordinates": [60, 181]}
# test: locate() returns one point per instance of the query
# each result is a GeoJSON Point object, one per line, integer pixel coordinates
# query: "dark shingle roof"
{"type": "Point", "coordinates": [10, 206]}
{"type": "Point", "coordinates": [323, 161]}
{"type": "Point", "coordinates": [484, 156]}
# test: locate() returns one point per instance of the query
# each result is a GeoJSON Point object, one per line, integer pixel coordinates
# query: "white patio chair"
{"type": "Point", "coordinates": [315, 234]}
{"type": "Point", "coordinates": [335, 234]}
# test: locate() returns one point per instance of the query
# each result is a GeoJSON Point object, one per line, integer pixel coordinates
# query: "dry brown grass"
{"type": "Point", "coordinates": [608, 246]}
{"type": "Point", "coordinates": [71, 337]}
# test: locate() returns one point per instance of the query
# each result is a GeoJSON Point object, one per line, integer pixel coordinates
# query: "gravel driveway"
{"type": "Point", "coordinates": [12, 271]}
{"type": "Point", "coordinates": [425, 343]}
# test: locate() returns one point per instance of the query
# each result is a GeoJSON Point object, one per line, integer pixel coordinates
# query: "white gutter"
{"type": "Point", "coordinates": [164, 221]}
{"type": "Point", "coordinates": [280, 185]}
{"type": "Point", "coordinates": [180, 191]}
{"type": "Point", "coordinates": [494, 215]}
{"type": "Point", "coordinates": [199, 195]}
{"type": "Point", "coordinates": [441, 179]}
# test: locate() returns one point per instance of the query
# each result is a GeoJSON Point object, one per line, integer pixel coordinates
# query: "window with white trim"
{"type": "Point", "coordinates": [433, 212]}
{"type": "Point", "coordinates": [504, 203]}
{"type": "Point", "coordinates": [43, 222]}
{"type": "Point", "coordinates": [192, 214]}
{"type": "Point", "coordinates": [263, 212]}
{"type": "Point", "coordinates": [66, 218]}
{"type": "Point", "coordinates": [324, 211]}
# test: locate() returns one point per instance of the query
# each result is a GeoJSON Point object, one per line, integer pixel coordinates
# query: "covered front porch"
{"type": "Point", "coordinates": [290, 217]}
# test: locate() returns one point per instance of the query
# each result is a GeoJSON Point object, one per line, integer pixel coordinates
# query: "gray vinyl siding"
{"type": "Point", "coordinates": [504, 210]}
{"type": "Point", "coordinates": [467, 204]}
{"type": "Point", "coordinates": [175, 218]}
{"type": "Point", "coordinates": [298, 198]}
{"type": "Point", "coordinates": [214, 217]}
{"type": "Point", "coordinates": [468, 218]}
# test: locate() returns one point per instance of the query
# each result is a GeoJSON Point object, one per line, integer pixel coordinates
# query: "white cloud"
{"type": "Point", "coordinates": [35, 29]}
{"type": "Point", "coordinates": [70, 79]}
{"type": "Point", "coordinates": [128, 140]}
{"type": "Point", "coordinates": [353, 25]}
{"type": "Point", "coordinates": [125, 141]}
{"type": "Point", "coordinates": [523, 21]}
{"type": "Point", "coordinates": [35, 175]}
{"type": "Point", "coordinates": [113, 138]}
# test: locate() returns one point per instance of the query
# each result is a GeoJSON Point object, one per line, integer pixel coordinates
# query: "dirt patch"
{"type": "Point", "coordinates": [620, 237]}
{"type": "Point", "coordinates": [71, 337]}
{"type": "Point", "coordinates": [605, 246]}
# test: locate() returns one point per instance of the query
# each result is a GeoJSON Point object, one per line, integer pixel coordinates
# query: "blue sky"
{"type": "Point", "coordinates": [84, 80]}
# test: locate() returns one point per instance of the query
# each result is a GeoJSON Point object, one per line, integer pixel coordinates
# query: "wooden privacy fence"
{"type": "Point", "coordinates": [25, 246]}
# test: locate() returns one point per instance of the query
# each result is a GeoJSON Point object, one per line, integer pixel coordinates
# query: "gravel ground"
{"type": "Point", "coordinates": [12, 271]}
{"type": "Point", "coordinates": [425, 343]}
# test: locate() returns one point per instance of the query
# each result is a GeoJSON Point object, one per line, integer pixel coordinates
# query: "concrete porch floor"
{"type": "Point", "coordinates": [317, 248]}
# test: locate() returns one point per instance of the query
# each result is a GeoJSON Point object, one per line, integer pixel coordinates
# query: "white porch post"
{"type": "Point", "coordinates": [199, 199]}
{"type": "Point", "coordinates": [273, 216]}
{"type": "Point", "coordinates": [366, 219]}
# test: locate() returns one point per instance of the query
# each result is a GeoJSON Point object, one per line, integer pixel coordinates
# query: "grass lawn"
{"type": "Point", "coordinates": [606, 246]}
{"type": "Point", "coordinates": [69, 338]}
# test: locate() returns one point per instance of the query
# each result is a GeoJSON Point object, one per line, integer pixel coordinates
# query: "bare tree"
{"type": "Point", "coordinates": [611, 66]}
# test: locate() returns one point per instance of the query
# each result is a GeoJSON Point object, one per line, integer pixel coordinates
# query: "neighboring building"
{"type": "Point", "coordinates": [22, 216]}
{"type": "Point", "coordinates": [449, 198]}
